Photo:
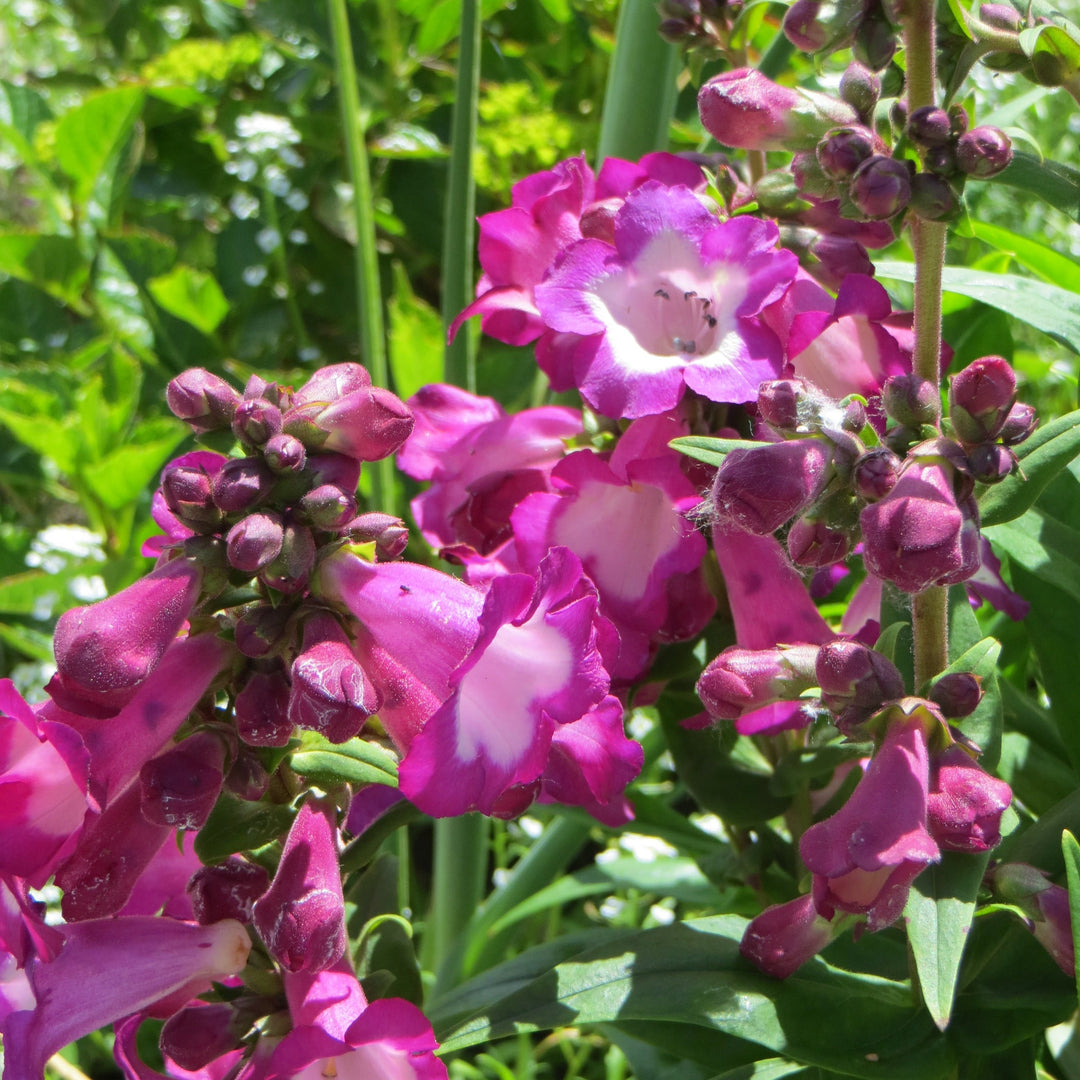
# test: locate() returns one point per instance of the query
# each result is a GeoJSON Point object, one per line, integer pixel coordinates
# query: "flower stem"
{"type": "Point", "coordinates": [372, 340]}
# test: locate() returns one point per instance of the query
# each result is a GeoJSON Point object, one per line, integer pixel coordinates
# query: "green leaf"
{"type": "Point", "coordinates": [938, 914]}
{"type": "Point", "coordinates": [192, 295]}
{"type": "Point", "coordinates": [692, 973]}
{"type": "Point", "coordinates": [1042, 456]}
{"type": "Point", "coordinates": [357, 761]}
{"type": "Point", "coordinates": [53, 263]}
{"type": "Point", "coordinates": [983, 726]}
{"type": "Point", "coordinates": [964, 629]}
{"type": "Point", "coordinates": [1038, 258]}
{"type": "Point", "coordinates": [122, 475]}
{"type": "Point", "coordinates": [1052, 181]}
{"type": "Point", "coordinates": [1070, 851]}
{"type": "Point", "coordinates": [711, 450]}
{"type": "Point", "coordinates": [386, 945]}
{"type": "Point", "coordinates": [766, 1069]}
{"type": "Point", "coordinates": [237, 825]}
{"type": "Point", "coordinates": [416, 338]}
{"type": "Point", "coordinates": [1044, 546]}
{"type": "Point", "coordinates": [1054, 51]}
{"type": "Point", "coordinates": [1053, 310]}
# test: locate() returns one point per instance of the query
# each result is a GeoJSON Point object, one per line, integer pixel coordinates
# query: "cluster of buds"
{"type": "Point", "coordinates": [702, 26]}
{"type": "Point", "coordinates": [825, 26]}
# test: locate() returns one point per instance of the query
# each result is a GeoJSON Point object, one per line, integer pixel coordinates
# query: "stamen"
{"type": "Point", "coordinates": [660, 292]}
{"type": "Point", "coordinates": [687, 295]}
{"type": "Point", "coordinates": [711, 320]}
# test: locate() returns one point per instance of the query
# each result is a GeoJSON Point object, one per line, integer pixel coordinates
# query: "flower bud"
{"type": "Point", "coordinates": [854, 416]}
{"type": "Point", "coordinates": [181, 785]}
{"type": "Point", "coordinates": [367, 425]}
{"type": "Point", "coordinates": [327, 507]}
{"type": "Point", "coordinates": [202, 400]}
{"type": "Point", "coordinates": [226, 891]}
{"type": "Point", "coordinates": [285, 454]}
{"type": "Point", "coordinates": [855, 680]}
{"type": "Point", "coordinates": [875, 473]}
{"type": "Point", "coordinates": [739, 680]}
{"type": "Point", "coordinates": [941, 161]}
{"type": "Point", "coordinates": [745, 109]}
{"type": "Point", "coordinates": [759, 490]}
{"type": "Point", "coordinates": [980, 399]}
{"type": "Point", "coordinates": [782, 403]}
{"type": "Point", "coordinates": [1019, 424]}
{"type": "Point", "coordinates": [248, 778]}
{"type": "Point", "coordinates": [860, 88]}
{"type": "Point", "coordinates": [929, 126]}
{"type": "Point", "coordinates": [255, 421]}
{"type": "Point", "coordinates": [844, 149]}
{"type": "Point", "coordinates": [262, 709]}
{"type": "Point", "coordinates": [958, 120]}
{"type": "Point", "coordinates": [990, 463]}
{"type": "Point", "coordinates": [783, 937]}
{"type": "Point", "coordinates": [288, 572]}
{"type": "Point", "coordinates": [255, 541]}
{"type": "Point", "coordinates": [875, 43]}
{"type": "Point", "coordinates": [812, 542]}
{"type": "Point", "coordinates": [777, 193]}
{"type": "Point", "coordinates": [389, 534]}
{"type": "Point", "coordinates": [259, 630]}
{"type": "Point", "coordinates": [880, 188]}
{"type": "Point", "coordinates": [1046, 905]}
{"type": "Point", "coordinates": [912, 401]}
{"type": "Point", "coordinates": [983, 152]}
{"type": "Point", "coordinates": [933, 198]}
{"type": "Point", "coordinates": [187, 491]}
{"type": "Point", "coordinates": [1001, 17]}
{"type": "Point", "coordinates": [838, 256]}
{"type": "Point", "coordinates": [957, 694]}
{"type": "Point", "coordinates": [965, 804]}
{"type": "Point", "coordinates": [241, 484]}
{"type": "Point", "coordinates": [198, 1034]}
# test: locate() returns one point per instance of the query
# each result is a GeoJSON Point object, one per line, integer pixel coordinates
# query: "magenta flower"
{"type": "Point", "coordinates": [672, 304]}
{"type": "Point", "coordinates": [783, 937]}
{"type": "Point", "coordinates": [965, 803]}
{"type": "Point", "coordinates": [865, 857]}
{"type": "Point", "coordinates": [741, 680]}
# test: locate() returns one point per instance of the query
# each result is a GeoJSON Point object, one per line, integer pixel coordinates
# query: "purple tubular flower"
{"type": "Point", "coordinates": [105, 651]}
{"type": "Point", "coordinates": [865, 857]}
{"type": "Point", "coordinates": [160, 959]}
{"type": "Point", "coordinates": [180, 786]}
{"type": "Point", "coordinates": [301, 917]}
{"type": "Point", "coordinates": [227, 891]}
{"type": "Point", "coordinates": [759, 490]}
{"type": "Point", "coordinates": [965, 803]}
{"type": "Point", "coordinates": [672, 305]}
{"type": "Point", "coordinates": [262, 709]}
{"type": "Point", "coordinates": [739, 680]}
{"type": "Point", "coordinates": [331, 693]}
{"type": "Point", "coordinates": [783, 937]}
{"type": "Point", "coordinates": [745, 109]}
{"type": "Point", "coordinates": [202, 400]}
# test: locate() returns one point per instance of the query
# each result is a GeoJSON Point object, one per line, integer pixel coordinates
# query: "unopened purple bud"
{"type": "Point", "coordinates": [242, 484]}
{"type": "Point", "coordinates": [227, 891]}
{"type": "Point", "coordinates": [759, 490]}
{"type": "Point", "coordinates": [875, 43]}
{"type": "Point", "coordinates": [860, 88]}
{"type": "Point", "coordinates": [839, 256]}
{"type": "Point", "coordinates": [368, 424]}
{"type": "Point", "coordinates": [285, 454]}
{"type": "Point", "coordinates": [202, 400]}
{"type": "Point", "coordinates": [327, 507]}
{"type": "Point", "coordinates": [199, 1034]}
{"type": "Point", "coordinates": [990, 463]}
{"type": "Point", "coordinates": [262, 709]}
{"type": "Point", "coordinates": [333, 382]}
{"type": "Point", "coordinates": [980, 399]}
{"type": "Point", "coordinates": [941, 161]}
{"type": "Point", "coordinates": [783, 937]}
{"type": "Point", "coordinates": [389, 534]}
{"type": "Point", "coordinates": [1045, 904]}
{"type": "Point", "coordinates": [855, 680]}
{"type": "Point", "coordinates": [802, 27]}
{"type": "Point", "coordinates": [248, 778]}
{"type": "Point", "coordinates": [983, 152]}
{"type": "Point", "coordinates": [259, 630]}
{"type": "Point", "coordinates": [782, 403]}
{"type": "Point", "coordinates": [181, 785]}
{"type": "Point", "coordinates": [187, 491]}
{"type": "Point", "coordinates": [739, 680]}
{"type": "Point", "coordinates": [881, 187]}
{"type": "Point", "coordinates": [1001, 17]}
{"type": "Point", "coordinates": [933, 198]}
{"type": "Point", "coordinates": [912, 401]}
{"type": "Point", "coordinates": [965, 803]}
{"type": "Point", "coordinates": [875, 473]}
{"type": "Point", "coordinates": [957, 694]}
{"type": "Point", "coordinates": [288, 572]}
{"type": "Point", "coordinates": [929, 126]}
{"type": "Point", "coordinates": [255, 541]}
{"type": "Point", "coordinates": [898, 114]}
{"type": "Point", "coordinates": [854, 417]}
{"type": "Point", "coordinates": [814, 543]}
{"type": "Point", "coordinates": [1019, 424]}
{"type": "Point", "coordinates": [255, 421]}
{"type": "Point", "coordinates": [843, 150]}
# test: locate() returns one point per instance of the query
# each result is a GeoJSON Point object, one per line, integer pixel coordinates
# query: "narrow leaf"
{"type": "Point", "coordinates": [1052, 181]}
{"type": "Point", "coordinates": [1043, 545]}
{"type": "Point", "coordinates": [710, 449]}
{"type": "Point", "coordinates": [357, 761]}
{"type": "Point", "coordinates": [1070, 849]}
{"type": "Point", "coordinates": [1038, 258]}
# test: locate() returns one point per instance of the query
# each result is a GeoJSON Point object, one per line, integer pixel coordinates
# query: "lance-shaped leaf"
{"type": "Point", "coordinates": [1070, 849]}
{"type": "Point", "coordinates": [357, 761]}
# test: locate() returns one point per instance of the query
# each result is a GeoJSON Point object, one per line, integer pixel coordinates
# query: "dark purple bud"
{"type": "Point", "coordinates": [854, 417]}
{"type": "Point", "coordinates": [200, 1033]}
{"type": "Point", "coordinates": [860, 88]}
{"type": "Point", "coordinates": [262, 709]}
{"type": "Point", "coordinates": [958, 120]}
{"type": "Point", "coordinates": [227, 891]}
{"type": "Point", "coordinates": [255, 541]}
{"type": "Point", "coordinates": [242, 484]}
{"type": "Point", "coordinates": [259, 630]}
{"type": "Point", "coordinates": [1019, 424]}
{"type": "Point", "coordinates": [783, 937]}
{"type": "Point", "coordinates": [389, 534]}
{"type": "Point", "coordinates": [855, 680]}
{"type": "Point", "coordinates": [739, 680]}
{"type": "Point", "coordinates": [255, 421]}
{"type": "Point", "coordinates": [875, 473]}
{"type": "Point", "coordinates": [181, 785]}
{"type": "Point", "coordinates": [327, 507]}
{"type": "Point", "coordinates": [759, 490]}
{"type": "Point", "coordinates": [957, 694]}
{"type": "Point", "coordinates": [941, 161]}
{"type": "Point", "coordinates": [843, 150]}
{"type": "Point", "coordinates": [980, 399]}
{"type": "Point", "coordinates": [814, 543]}
{"type": "Point", "coordinates": [676, 31]}
{"type": "Point", "coordinates": [839, 256]}
{"type": "Point", "coordinates": [933, 198]}
{"type": "Point", "coordinates": [336, 469]}
{"type": "Point", "coordinates": [288, 572]}
{"type": "Point", "coordinates": [186, 490]}
{"type": "Point", "coordinates": [875, 43]}
{"type": "Point", "coordinates": [803, 28]}
{"type": "Point", "coordinates": [983, 152]}
{"type": "Point", "coordinates": [202, 400]}
{"type": "Point", "coordinates": [880, 188]}
{"type": "Point", "coordinates": [782, 403]}
{"type": "Point", "coordinates": [965, 804]}
{"type": "Point", "coordinates": [285, 454]}
{"type": "Point", "coordinates": [1001, 17]}
{"type": "Point", "coordinates": [990, 463]}
{"type": "Point", "coordinates": [331, 693]}
{"type": "Point", "coordinates": [929, 126]}
{"type": "Point", "coordinates": [248, 778]}
{"type": "Point", "coordinates": [898, 113]}
{"type": "Point", "coordinates": [911, 401]}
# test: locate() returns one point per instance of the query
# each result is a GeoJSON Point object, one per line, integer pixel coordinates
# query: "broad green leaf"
{"type": "Point", "coordinates": [236, 825]}
{"type": "Point", "coordinates": [1038, 778]}
{"type": "Point", "coordinates": [964, 629]}
{"type": "Point", "coordinates": [1052, 181]}
{"type": "Point", "coordinates": [52, 439]}
{"type": "Point", "coordinates": [192, 295]}
{"type": "Point", "coordinates": [712, 450]}
{"type": "Point", "coordinates": [359, 852]}
{"type": "Point", "coordinates": [357, 761]}
{"type": "Point", "coordinates": [22, 109]}
{"type": "Point", "coordinates": [983, 726]}
{"type": "Point", "coordinates": [767, 1069]}
{"type": "Point", "coordinates": [858, 1025]}
{"type": "Point", "coordinates": [1070, 851]}
{"type": "Point", "coordinates": [53, 263]}
{"type": "Point", "coordinates": [1054, 51]}
{"type": "Point", "coordinates": [416, 338]}
{"type": "Point", "coordinates": [89, 138]}
{"type": "Point", "coordinates": [1038, 258]}
{"type": "Point", "coordinates": [121, 476]}
{"type": "Point", "coordinates": [1041, 457]}
{"type": "Point", "coordinates": [1053, 310]}
{"type": "Point", "coordinates": [938, 914]}
{"type": "Point", "coordinates": [1042, 544]}
{"type": "Point", "coordinates": [41, 594]}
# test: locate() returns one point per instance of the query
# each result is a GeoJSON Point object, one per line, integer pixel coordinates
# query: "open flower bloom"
{"type": "Point", "coordinates": [865, 857]}
{"type": "Point", "coordinates": [671, 305]}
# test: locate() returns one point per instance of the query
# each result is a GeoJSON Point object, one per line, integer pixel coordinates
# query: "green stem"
{"type": "Point", "coordinates": [457, 262]}
{"type": "Point", "coordinates": [372, 340]}
{"type": "Point", "coordinates": [460, 874]}
{"type": "Point", "coordinates": [929, 619]}
{"type": "Point", "coordinates": [641, 87]}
